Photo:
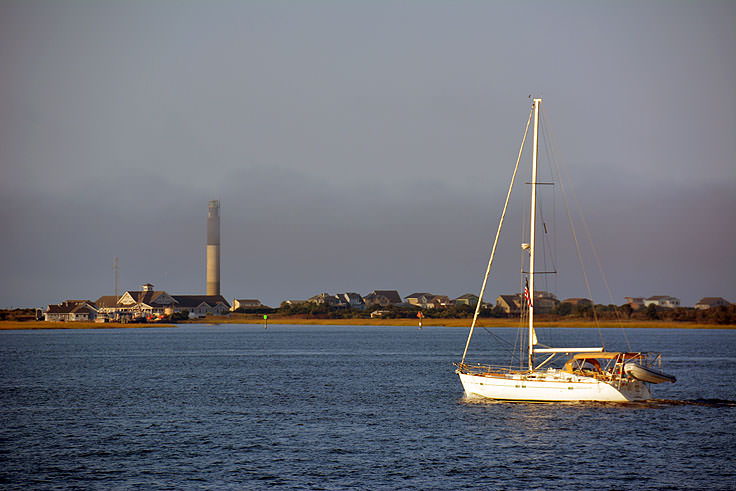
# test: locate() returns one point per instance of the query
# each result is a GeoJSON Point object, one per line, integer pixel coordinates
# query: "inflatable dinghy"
{"type": "Point", "coordinates": [647, 374]}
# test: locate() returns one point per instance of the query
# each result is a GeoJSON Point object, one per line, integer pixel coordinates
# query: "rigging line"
{"type": "Point", "coordinates": [495, 242]}
{"type": "Point", "coordinates": [550, 248]}
{"type": "Point", "coordinates": [598, 261]}
{"type": "Point", "coordinates": [575, 239]}
{"type": "Point", "coordinates": [497, 336]}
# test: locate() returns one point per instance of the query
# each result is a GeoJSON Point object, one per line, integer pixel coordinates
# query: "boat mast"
{"type": "Point", "coordinates": [533, 213]}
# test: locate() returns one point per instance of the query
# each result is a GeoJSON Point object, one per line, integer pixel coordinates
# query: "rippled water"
{"type": "Point", "coordinates": [339, 408]}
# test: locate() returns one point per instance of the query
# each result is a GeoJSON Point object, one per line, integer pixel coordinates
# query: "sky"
{"type": "Point", "coordinates": [357, 146]}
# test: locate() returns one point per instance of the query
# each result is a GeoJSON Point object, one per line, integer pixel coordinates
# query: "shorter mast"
{"type": "Point", "coordinates": [533, 213]}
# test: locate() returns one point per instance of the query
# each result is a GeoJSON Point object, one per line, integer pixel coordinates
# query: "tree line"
{"type": "Point", "coordinates": [717, 315]}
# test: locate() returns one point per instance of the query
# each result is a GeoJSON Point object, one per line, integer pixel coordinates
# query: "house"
{"type": "Point", "coordinates": [636, 303]}
{"type": "Point", "coordinates": [71, 311]}
{"type": "Point", "coordinates": [511, 304]}
{"type": "Point", "coordinates": [107, 304]}
{"type": "Point", "coordinates": [706, 303]}
{"type": "Point", "coordinates": [662, 301]}
{"type": "Point", "coordinates": [467, 299]}
{"type": "Point", "coordinates": [419, 299]}
{"type": "Point", "coordinates": [329, 300]}
{"type": "Point", "coordinates": [428, 300]}
{"type": "Point", "coordinates": [352, 299]}
{"type": "Point", "coordinates": [201, 305]}
{"type": "Point", "coordinates": [382, 298]}
{"type": "Point", "coordinates": [245, 303]}
{"type": "Point", "coordinates": [145, 302]}
{"type": "Point", "coordinates": [439, 301]}
{"type": "Point", "coordinates": [544, 302]}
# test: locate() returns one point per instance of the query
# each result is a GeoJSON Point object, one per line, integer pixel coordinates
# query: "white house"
{"type": "Point", "coordinates": [71, 311]}
{"type": "Point", "coordinates": [245, 303]}
{"type": "Point", "coordinates": [662, 301]}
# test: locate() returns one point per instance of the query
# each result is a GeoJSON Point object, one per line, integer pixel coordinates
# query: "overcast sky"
{"type": "Point", "coordinates": [359, 145]}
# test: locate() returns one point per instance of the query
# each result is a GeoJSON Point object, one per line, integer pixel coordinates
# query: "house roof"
{"type": "Point", "coordinates": [196, 300]}
{"type": "Point", "coordinates": [712, 301]}
{"type": "Point", "coordinates": [391, 295]}
{"type": "Point", "coordinates": [247, 300]}
{"type": "Point", "coordinates": [420, 294]}
{"type": "Point", "coordinates": [510, 299]}
{"type": "Point", "coordinates": [440, 298]}
{"type": "Point", "coordinates": [108, 301]}
{"type": "Point", "coordinates": [467, 296]}
{"type": "Point", "coordinates": [71, 306]}
{"type": "Point", "coordinates": [146, 297]}
{"type": "Point", "coordinates": [659, 297]}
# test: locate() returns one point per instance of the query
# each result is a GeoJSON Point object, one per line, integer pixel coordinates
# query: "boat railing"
{"type": "Point", "coordinates": [479, 369]}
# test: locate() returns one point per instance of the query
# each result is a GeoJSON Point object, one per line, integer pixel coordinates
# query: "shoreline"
{"type": "Point", "coordinates": [399, 322]}
{"type": "Point", "coordinates": [35, 325]}
{"type": "Point", "coordinates": [484, 322]}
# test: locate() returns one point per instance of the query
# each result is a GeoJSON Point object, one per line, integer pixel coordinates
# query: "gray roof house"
{"type": "Point", "coordinates": [706, 303]}
{"type": "Point", "coordinates": [467, 299]}
{"type": "Point", "coordinates": [511, 304]}
{"type": "Point", "coordinates": [201, 305]}
{"type": "Point", "coordinates": [383, 298]}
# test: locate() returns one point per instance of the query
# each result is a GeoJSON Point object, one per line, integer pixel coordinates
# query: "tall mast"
{"type": "Point", "coordinates": [533, 213]}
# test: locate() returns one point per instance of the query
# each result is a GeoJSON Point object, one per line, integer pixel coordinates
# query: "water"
{"type": "Point", "coordinates": [213, 407]}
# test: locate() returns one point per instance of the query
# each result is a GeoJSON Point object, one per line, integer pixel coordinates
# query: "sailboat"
{"type": "Point", "coordinates": [588, 374]}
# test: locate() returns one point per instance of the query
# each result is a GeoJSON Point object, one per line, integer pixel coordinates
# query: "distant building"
{"type": "Point", "coordinates": [706, 303]}
{"type": "Point", "coordinates": [428, 300]}
{"type": "Point", "coordinates": [245, 303]}
{"type": "Point", "coordinates": [511, 304]}
{"type": "Point", "coordinates": [201, 305]}
{"type": "Point", "coordinates": [133, 304]}
{"type": "Point", "coordinates": [467, 299]}
{"type": "Point", "coordinates": [145, 302]}
{"type": "Point", "coordinates": [329, 300]}
{"type": "Point", "coordinates": [439, 302]}
{"type": "Point", "coordinates": [544, 302]}
{"type": "Point", "coordinates": [420, 299]}
{"type": "Point", "coordinates": [382, 298]}
{"type": "Point", "coordinates": [635, 303]}
{"type": "Point", "coordinates": [352, 299]}
{"type": "Point", "coordinates": [662, 301]}
{"type": "Point", "coordinates": [71, 311]}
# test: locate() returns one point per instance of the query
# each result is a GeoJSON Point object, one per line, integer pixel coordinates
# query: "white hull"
{"type": "Point", "coordinates": [552, 386]}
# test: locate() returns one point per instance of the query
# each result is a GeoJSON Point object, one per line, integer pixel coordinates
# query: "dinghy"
{"type": "Point", "coordinates": [648, 374]}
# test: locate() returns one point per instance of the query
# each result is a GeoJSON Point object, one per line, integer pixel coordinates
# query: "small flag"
{"type": "Point", "coordinates": [526, 294]}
